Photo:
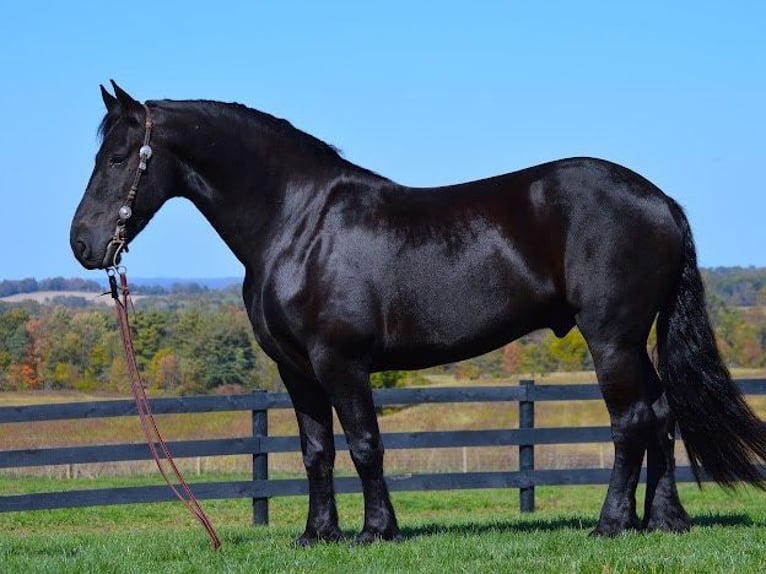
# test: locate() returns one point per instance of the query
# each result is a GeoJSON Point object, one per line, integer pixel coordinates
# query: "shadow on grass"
{"type": "Point", "coordinates": [520, 526]}
{"type": "Point", "coordinates": [555, 525]}
{"type": "Point", "coordinates": [501, 526]}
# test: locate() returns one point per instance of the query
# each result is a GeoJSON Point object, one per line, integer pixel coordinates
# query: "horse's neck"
{"type": "Point", "coordinates": [239, 180]}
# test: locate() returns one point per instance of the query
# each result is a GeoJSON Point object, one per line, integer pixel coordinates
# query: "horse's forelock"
{"type": "Point", "coordinates": [110, 121]}
{"type": "Point", "coordinates": [107, 123]}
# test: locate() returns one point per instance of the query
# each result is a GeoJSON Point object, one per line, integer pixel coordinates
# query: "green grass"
{"type": "Point", "coordinates": [465, 531]}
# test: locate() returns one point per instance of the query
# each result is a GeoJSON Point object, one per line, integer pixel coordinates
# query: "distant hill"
{"type": "Point", "coordinates": [140, 285]}
{"type": "Point", "coordinates": [65, 298]}
{"type": "Point", "coordinates": [734, 286]}
{"type": "Point", "coordinates": [168, 282]}
{"type": "Point", "coordinates": [737, 286]}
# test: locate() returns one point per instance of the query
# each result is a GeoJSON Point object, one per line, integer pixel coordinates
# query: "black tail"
{"type": "Point", "coordinates": [720, 431]}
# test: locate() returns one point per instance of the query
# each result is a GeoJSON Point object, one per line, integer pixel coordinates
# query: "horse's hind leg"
{"type": "Point", "coordinates": [314, 413]}
{"type": "Point", "coordinates": [662, 507]}
{"type": "Point", "coordinates": [619, 367]}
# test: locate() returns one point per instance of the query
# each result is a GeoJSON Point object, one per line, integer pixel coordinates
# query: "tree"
{"type": "Point", "coordinates": [535, 359]}
{"type": "Point", "coordinates": [228, 356]}
{"type": "Point", "coordinates": [387, 379]}
{"type": "Point", "coordinates": [14, 339]}
{"type": "Point", "coordinates": [568, 353]}
{"type": "Point", "coordinates": [512, 358]}
{"type": "Point", "coordinates": [745, 347]}
{"type": "Point", "coordinates": [165, 371]}
{"type": "Point", "coordinates": [117, 378]}
{"type": "Point", "coordinates": [467, 370]}
{"type": "Point", "coordinates": [150, 328]}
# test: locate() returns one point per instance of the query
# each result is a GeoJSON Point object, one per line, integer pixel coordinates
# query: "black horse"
{"type": "Point", "coordinates": [348, 273]}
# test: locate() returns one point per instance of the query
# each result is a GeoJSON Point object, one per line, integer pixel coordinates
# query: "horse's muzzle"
{"type": "Point", "coordinates": [88, 249]}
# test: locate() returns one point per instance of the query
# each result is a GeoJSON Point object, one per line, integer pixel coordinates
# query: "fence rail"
{"type": "Point", "coordinates": [260, 489]}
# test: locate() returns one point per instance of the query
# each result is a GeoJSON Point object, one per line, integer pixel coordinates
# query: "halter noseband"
{"type": "Point", "coordinates": [119, 239]}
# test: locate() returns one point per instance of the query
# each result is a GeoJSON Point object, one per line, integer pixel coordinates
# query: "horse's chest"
{"type": "Point", "coordinates": [277, 322]}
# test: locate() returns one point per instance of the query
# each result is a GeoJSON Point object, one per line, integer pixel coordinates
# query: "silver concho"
{"type": "Point", "coordinates": [125, 212]}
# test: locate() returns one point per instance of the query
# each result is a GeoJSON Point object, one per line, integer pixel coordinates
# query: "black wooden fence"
{"type": "Point", "coordinates": [260, 489]}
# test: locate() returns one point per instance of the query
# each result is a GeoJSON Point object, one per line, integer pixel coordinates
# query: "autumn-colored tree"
{"type": "Point", "coordinates": [117, 377]}
{"type": "Point", "coordinates": [29, 377]}
{"type": "Point", "coordinates": [745, 346]}
{"type": "Point", "coordinates": [512, 358]}
{"type": "Point", "coordinates": [165, 371]}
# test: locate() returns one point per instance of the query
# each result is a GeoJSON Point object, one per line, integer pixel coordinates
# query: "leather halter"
{"type": "Point", "coordinates": [119, 243]}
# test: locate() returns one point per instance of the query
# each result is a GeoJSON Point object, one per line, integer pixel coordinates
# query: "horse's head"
{"type": "Point", "coordinates": [110, 213]}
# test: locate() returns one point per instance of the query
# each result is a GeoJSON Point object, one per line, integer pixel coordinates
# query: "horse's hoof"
{"type": "Point", "coordinates": [599, 532]}
{"type": "Point", "coordinates": [311, 538]}
{"type": "Point", "coordinates": [609, 529]}
{"type": "Point", "coordinates": [370, 537]}
{"type": "Point", "coordinates": [305, 540]}
{"type": "Point", "coordinates": [674, 524]}
{"type": "Point", "coordinates": [614, 524]}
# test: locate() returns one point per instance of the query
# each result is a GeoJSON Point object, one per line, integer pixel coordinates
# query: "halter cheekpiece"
{"type": "Point", "coordinates": [119, 239]}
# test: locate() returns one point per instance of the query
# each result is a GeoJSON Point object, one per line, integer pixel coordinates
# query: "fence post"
{"type": "Point", "coordinates": [527, 451]}
{"type": "Point", "coordinates": [260, 418]}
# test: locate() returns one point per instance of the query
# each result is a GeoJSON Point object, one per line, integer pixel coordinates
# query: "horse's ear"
{"type": "Point", "coordinates": [126, 102]}
{"type": "Point", "coordinates": [109, 100]}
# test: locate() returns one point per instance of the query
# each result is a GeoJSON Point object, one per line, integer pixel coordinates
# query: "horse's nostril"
{"type": "Point", "coordinates": [82, 249]}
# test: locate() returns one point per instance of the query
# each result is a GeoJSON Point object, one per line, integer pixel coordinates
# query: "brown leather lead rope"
{"type": "Point", "coordinates": [157, 444]}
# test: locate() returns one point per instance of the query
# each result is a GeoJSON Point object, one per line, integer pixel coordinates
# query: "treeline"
{"type": "Point", "coordinates": [10, 287]}
{"type": "Point", "coordinates": [189, 349]}
{"type": "Point", "coordinates": [737, 286]}
{"type": "Point", "coordinates": [200, 341]}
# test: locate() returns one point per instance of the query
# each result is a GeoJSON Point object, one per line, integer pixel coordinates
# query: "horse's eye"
{"type": "Point", "coordinates": [116, 160]}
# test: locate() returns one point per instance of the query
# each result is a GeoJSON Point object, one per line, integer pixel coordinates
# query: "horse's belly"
{"type": "Point", "coordinates": [450, 321]}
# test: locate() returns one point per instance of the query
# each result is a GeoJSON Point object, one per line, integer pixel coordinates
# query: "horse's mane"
{"type": "Point", "coordinates": [278, 126]}
{"type": "Point", "coordinates": [281, 127]}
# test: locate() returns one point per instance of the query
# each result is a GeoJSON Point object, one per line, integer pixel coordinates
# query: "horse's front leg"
{"type": "Point", "coordinates": [314, 414]}
{"type": "Point", "coordinates": [352, 397]}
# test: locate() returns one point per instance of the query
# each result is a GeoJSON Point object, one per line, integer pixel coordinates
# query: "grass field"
{"type": "Point", "coordinates": [466, 531]}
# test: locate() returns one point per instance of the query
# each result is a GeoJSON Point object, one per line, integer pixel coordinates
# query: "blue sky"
{"type": "Point", "coordinates": [426, 93]}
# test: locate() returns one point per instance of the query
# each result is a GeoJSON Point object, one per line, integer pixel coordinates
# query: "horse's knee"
{"type": "Point", "coordinates": [367, 454]}
{"type": "Point", "coordinates": [318, 458]}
